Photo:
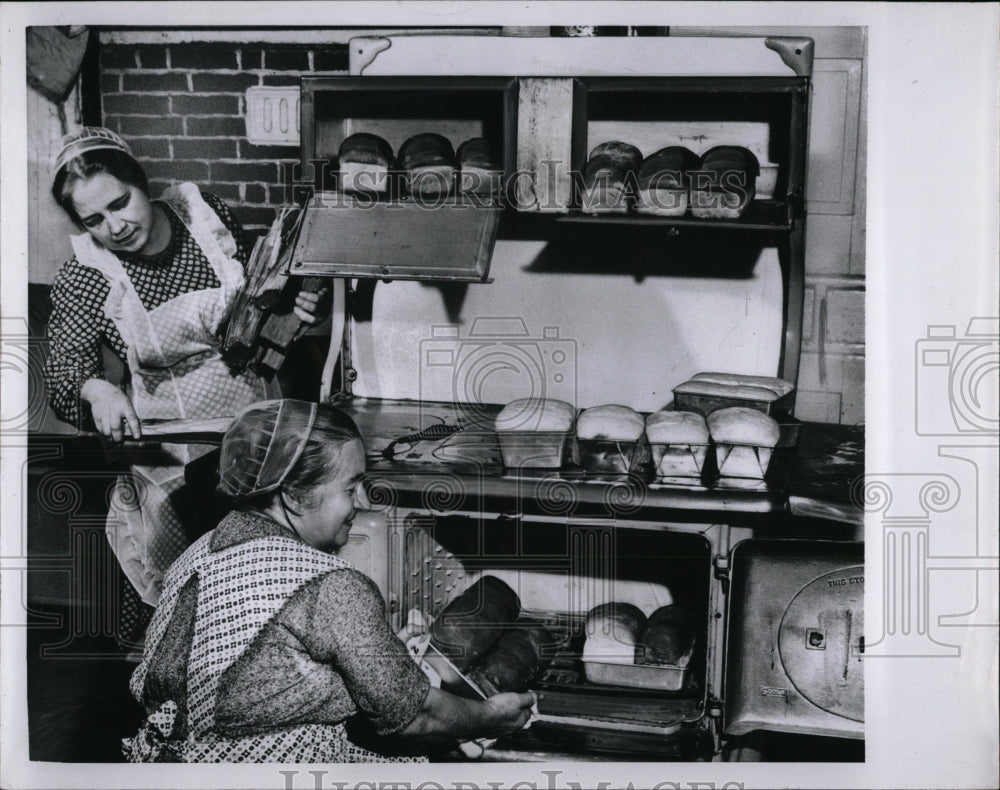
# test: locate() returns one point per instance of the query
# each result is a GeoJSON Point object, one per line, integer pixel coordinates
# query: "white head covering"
{"type": "Point", "coordinates": [263, 444]}
{"type": "Point", "coordinates": [89, 138]}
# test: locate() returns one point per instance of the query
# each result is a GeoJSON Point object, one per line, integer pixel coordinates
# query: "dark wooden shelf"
{"type": "Point", "coordinates": [766, 215]}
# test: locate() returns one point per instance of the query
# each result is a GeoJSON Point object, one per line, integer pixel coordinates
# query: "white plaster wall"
{"type": "Point", "coordinates": [624, 341]}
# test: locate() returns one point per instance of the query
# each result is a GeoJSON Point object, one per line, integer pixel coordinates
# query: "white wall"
{"type": "Point", "coordinates": [631, 341]}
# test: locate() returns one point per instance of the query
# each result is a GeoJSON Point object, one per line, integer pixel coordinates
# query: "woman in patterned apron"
{"type": "Point", "coordinates": [266, 646]}
{"type": "Point", "coordinates": [155, 282]}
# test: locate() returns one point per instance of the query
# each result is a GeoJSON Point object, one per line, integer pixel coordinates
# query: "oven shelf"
{"type": "Point", "coordinates": [566, 693]}
{"type": "Point", "coordinates": [468, 468]}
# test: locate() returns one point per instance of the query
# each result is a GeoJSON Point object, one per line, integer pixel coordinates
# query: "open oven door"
{"type": "Point", "coordinates": [560, 569]}
{"type": "Point", "coordinates": [795, 640]}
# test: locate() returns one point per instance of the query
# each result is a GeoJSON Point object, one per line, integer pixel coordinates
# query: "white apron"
{"type": "Point", "coordinates": [177, 373]}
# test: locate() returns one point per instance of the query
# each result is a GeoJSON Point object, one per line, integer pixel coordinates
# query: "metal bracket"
{"type": "Point", "coordinates": [721, 565]}
{"type": "Point", "coordinates": [797, 53]}
{"type": "Point", "coordinates": [363, 50]}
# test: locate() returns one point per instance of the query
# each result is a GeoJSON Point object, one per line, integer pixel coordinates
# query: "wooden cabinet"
{"type": "Point", "coordinates": [833, 141]}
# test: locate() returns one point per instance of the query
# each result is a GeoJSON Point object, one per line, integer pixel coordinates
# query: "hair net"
{"type": "Point", "coordinates": [89, 138]}
{"type": "Point", "coordinates": [263, 444]}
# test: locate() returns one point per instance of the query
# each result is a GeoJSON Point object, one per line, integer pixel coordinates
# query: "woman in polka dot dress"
{"type": "Point", "coordinates": [154, 281]}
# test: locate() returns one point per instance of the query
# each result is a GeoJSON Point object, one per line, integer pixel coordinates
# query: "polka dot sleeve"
{"type": "Point", "coordinates": [77, 328]}
{"type": "Point", "coordinates": [231, 223]}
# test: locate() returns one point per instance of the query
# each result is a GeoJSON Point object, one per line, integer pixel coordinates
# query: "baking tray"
{"type": "Point", "coordinates": [790, 428]}
{"type": "Point", "coordinates": [655, 677]}
{"type": "Point", "coordinates": [535, 449]}
{"type": "Point", "coordinates": [742, 460]}
{"type": "Point", "coordinates": [706, 404]}
{"type": "Point", "coordinates": [604, 457]}
{"type": "Point", "coordinates": [679, 460]}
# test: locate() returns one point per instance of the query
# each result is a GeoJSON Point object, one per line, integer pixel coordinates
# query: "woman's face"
{"type": "Point", "coordinates": [116, 214]}
{"type": "Point", "coordinates": [325, 520]}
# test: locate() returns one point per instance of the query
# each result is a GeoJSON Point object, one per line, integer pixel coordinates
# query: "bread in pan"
{"type": "Point", "coordinates": [678, 441]}
{"type": "Point", "coordinates": [604, 177]}
{"type": "Point", "coordinates": [740, 425]}
{"type": "Point", "coordinates": [479, 172]}
{"type": "Point", "coordinates": [364, 160]}
{"type": "Point", "coordinates": [736, 391]}
{"type": "Point", "coordinates": [780, 387]}
{"type": "Point", "coordinates": [517, 657]}
{"type": "Point", "coordinates": [611, 422]}
{"type": "Point", "coordinates": [536, 415]}
{"type": "Point", "coordinates": [724, 183]}
{"type": "Point", "coordinates": [667, 639]}
{"type": "Point", "coordinates": [676, 427]}
{"type": "Point", "coordinates": [469, 625]}
{"type": "Point", "coordinates": [626, 154]}
{"type": "Point", "coordinates": [663, 181]}
{"type": "Point", "coordinates": [611, 633]}
{"type": "Point", "coordinates": [428, 163]}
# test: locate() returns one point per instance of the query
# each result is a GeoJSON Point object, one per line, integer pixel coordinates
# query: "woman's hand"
{"type": "Point", "coordinates": [310, 307]}
{"type": "Point", "coordinates": [110, 407]}
{"type": "Point", "coordinates": [508, 713]}
{"type": "Point", "coordinates": [445, 718]}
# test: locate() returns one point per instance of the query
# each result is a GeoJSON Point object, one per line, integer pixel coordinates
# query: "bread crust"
{"type": "Point", "coordinates": [516, 659]}
{"type": "Point", "coordinates": [612, 630]}
{"type": "Point", "coordinates": [780, 387]}
{"type": "Point", "coordinates": [676, 427]}
{"type": "Point", "coordinates": [469, 625]}
{"type": "Point", "coordinates": [366, 149]}
{"type": "Point", "coordinates": [739, 391]}
{"type": "Point", "coordinates": [668, 638]}
{"type": "Point", "coordinates": [740, 425]}
{"type": "Point", "coordinates": [611, 422]}
{"type": "Point", "coordinates": [536, 414]}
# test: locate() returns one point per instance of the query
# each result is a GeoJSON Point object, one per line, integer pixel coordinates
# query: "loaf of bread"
{"type": "Point", "coordinates": [469, 625]}
{"type": "Point", "coordinates": [667, 639]}
{"type": "Point", "coordinates": [611, 632]}
{"type": "Point", "coordinates": [611, 440]}
{"type": "Point", "coordinates": [736, 392]}
{"type": "Point", "coordinates": [515, 659]}
{"type": "Point", "coordinates": [676, 427]}
{"type": "Point", "coordinates": [610, 422]}
{"type": "Point", "coordinates": [663, 181]}
{"type": "Point", "coordinates": [365, 160]}
{"type": "Point", "coordinates": [780, 387]}
{"type": "Point", "coordinates": [536, 415]}
{"type": "Point", "coordinates": [479, 172]}
{"type": "Point", "coordinates": [428, 164]}
{"type": "Point", "coordinates": [744, 441]}
{"type": "Point", "coordinates": [679, 443]}
{"type": "Point", "coordinates": [604, 176]}
{"type": "Point", "coordinates": [743, 426]}
{"type": "Point", "coordinates": [725, 182]}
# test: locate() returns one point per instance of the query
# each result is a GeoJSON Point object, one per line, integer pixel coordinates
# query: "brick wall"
{"type": "Point", "coordinates": [181, 106]}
